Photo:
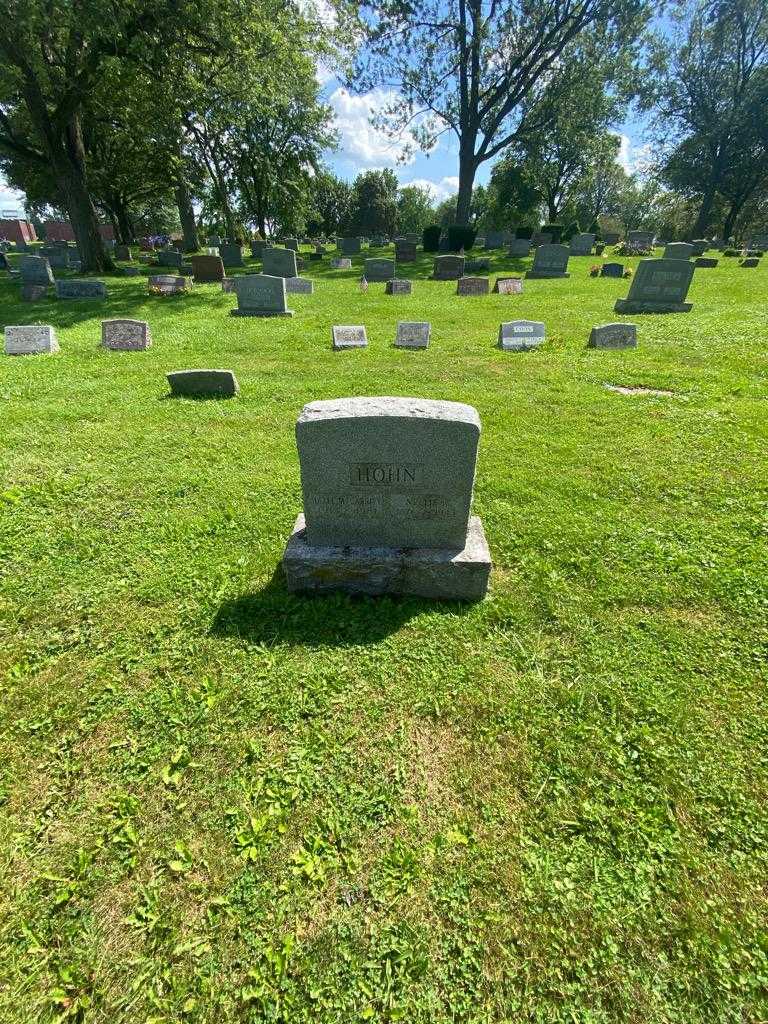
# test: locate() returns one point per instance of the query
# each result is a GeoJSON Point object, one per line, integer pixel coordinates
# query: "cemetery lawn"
{"type": "Point", "coordinates": [222, 803]}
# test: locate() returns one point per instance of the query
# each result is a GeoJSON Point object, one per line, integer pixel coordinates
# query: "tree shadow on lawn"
{"type": "Point", "coordinates": [272, 615]}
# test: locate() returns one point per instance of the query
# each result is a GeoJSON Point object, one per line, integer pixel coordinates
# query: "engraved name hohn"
{"type": "Point", "coordinates": [383, 474]}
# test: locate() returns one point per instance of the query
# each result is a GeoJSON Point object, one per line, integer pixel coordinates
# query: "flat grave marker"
{"type": "Point", "coordinates": [613, 336]}
{"type": "Point", "coordinates": [203, 383]}
{"type": "Point", "coordinates": [125, 335]}
{"type": "Point", "coordinates": [29, 340]}
{"type": "Point", "coordinates": [81, 290]}
{"type": "Point", "coordinates": [348, 336]}
{"type": "Point", "coordinates": [412, 334]}
{"type": "Point", "coordinates": [521, 335]}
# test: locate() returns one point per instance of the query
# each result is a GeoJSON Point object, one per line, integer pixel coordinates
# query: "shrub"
{"type": "Point", "coordinates": [524, 231]}
{"type": "Point", "coordinates": [594, 229]}
{"type": "Point", "coordinates": [555, 230]}
{"type": "Point", "coordinates": [430, 238]}
{"type": "Point", "coordinates": [571, 230]}
{"type": "Point", "coordinates": [460, 237]}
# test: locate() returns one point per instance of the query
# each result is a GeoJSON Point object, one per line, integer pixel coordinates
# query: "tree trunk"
{"type": "Point", "coordinates": [705, 212]}
{"type": "Point", "coordinates": [187, 216]}
{"type": "Point", "coordinates": [124, 230]}
{"type": "Point", "coordinates": [466, 181]}
{"type": "Point", "coordinates": [731, 217]}
{"type": "Point", "coordinates": [69, 168]}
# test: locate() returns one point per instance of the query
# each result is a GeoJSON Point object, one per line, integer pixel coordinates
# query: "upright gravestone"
{"type": "Point", "coordinates": [231, 254]}
{"type": "Point", "coordinates": [659, 286]}
{"type": "Point", "coordinates": [346, 336]}
{"type": "Point", "coordinates": [351, 246]}
{"type": "Point", "coordinates": [170, 258]}
{"type": "Point", "coordinates": [292, 243]}
{"type": "Point", "coordinates": [700, 246]}
{"type": "Point", "coordinates": [35, 270]}
{"type": "Point", "coordinates": [260, 295]}
{"type": "Point", "coordinates": [81, 290]}
{"type": "Point", "coordinates": [398, 286]}
{"type": "Point", "coordinates": [640, 239]}
{"type": "Point", "coordinates": [123, 253]}
{"type": "Point", "coordinates": [550, 261]}
{"type": "Point", "coordinates": [494, 239]}
{"type": "Point", "coordinates": [30, 340]}
{"type": "Point", "coordinates": [678, 251]}
{"type": "Point", "coordinates": [581, 244]}
{"type": "Point", "coordinates": [508, 286]}
{"type": "Point", "coordinates": [203, 383]}
{"type": "Point", "coordinates": [613, 336]}
{"type": "Point", "coordinates": [612, 270]}
{"type": "Point", "coordinates": [473, 286]}
{"type": "Point", "coordinates": [411, 334]}
{"type": "Point", "coordinates": [405, 251]}
{"type": "Point", "coordinates": [207, 269]}
{"type": "Point", "coordinates": [279, 262]}
{"type": "Point", "coordinates": [125, 335]}
{"type": "Point", "coordinates": [521, 335]}
{"type": "Point", "coordinates": [167, 284]}
{"type": "Point", "coordinates": [57, 256]}
{"type": "Point", "coordinates": [299, 286]}
{"type": "Point", "coordinates": [379, 270]}
{"type": "Point", "coordinates": [519, 247]}
{"type": "Point", "coordinates": [341, 263]}
{"type": "Point", "coordinates": [387, 486]}
{"type": "Point", "coordinates": [448, 268]}
{"type": "Point", "coordinates": [611, 237]}
{"type": "Point", "coordinates": [413, 236]}
{"type": "Point", "coordinates": [258, 245]}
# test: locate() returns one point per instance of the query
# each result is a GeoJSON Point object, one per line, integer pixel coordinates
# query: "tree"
{"type": "Point", "coordinates": [330, 203]}
{"type": "Point", "coordinates": [374, 202]}
{"type": "Point", "coordinates": [712, 91]}
{"type": "Point", "coordinates": [414, 209]}
{"type": "Point", "coordinates": [480, 70]}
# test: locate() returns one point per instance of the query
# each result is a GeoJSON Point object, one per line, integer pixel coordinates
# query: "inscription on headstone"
{"type": "Point", "coordinates": [30, 340]}
{"type": "Point", "coordinates": [473, 286]}
{"type": "Point", "coordinates": [412, 334]}
{"type": "Point", "coordinates": [341, 263]}
{"type": "Point", "coordinates": [81, 290]}
{"type": "Point", "coordinates": [167, 284]}
{"type": "Point", "coordinates": [581, 245]}
{"type": "Point", "coordinates": [659, 286]}
{"type": "Point", "coordinates": [346, 336]}
{"type": "Point", "coordinates": [125, 335]}
{"type": "Point", "coordinates": [613, 336]}
{"type": "Point", "coordinates": [448, 268]}
{"type": "Point", "coordinates": [260, 295]}
{"type": "Point", "coordinates": [521, 335]}
{"type": "Point", "coordinates": [35, 270]}
{"type": "Point", "coordinates": [678, 251]}
{"type": "Point", "coordinates": [405, 251]}
{"type": "Point", "coordinates": [508, 286]}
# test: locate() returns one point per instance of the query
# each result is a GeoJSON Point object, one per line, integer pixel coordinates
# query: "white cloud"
{"type": "Point", "coordinates": [439, 190]}
{"type": "Point", "coordinates": [11, 201]}
{"type": "Point", "coordinates": [359, 140]}
{"type": "Point", "coordinates": [633, 158]}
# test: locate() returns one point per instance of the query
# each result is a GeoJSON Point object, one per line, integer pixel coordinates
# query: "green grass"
{"type": "Point", "coordinates": [223, 803]}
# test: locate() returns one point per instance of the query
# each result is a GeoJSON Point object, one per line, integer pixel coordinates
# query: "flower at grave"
{"type": "Point", "coordinates": [594, 271]}
{"type": "Point", "coordinates": [627, 273]}
{"type": "Point", "coordinates": [363, 284]}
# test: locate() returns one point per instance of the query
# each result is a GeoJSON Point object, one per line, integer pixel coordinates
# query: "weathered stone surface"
{"type": "Point", "coordinates": [395, 472]}
{"type": "Point", "coordinates": [299, 286]}
{"type": "Point", "coordinates": [508, 286]}
{"type": "Point", "coordinates": [519, 247]}
{"type": "Point", "coordinates": [521, 335]}
{"type": "Point", "coordinates": [612, 270]}
{"type": "Point", "coordinates": [33, 292]}
{"type": "Point", "coordinates": [170, 258]}
{"type": "Point", "coordinates": [228, 285]}
{"type": "Point", "coordinates": [347, 336]}
{"type": "Point", "coordinates": [231, 254]}
{"type": "Point", "coordinates": [292, 243]}
{"type": "Point", "coordinates": [258, 245]}
{"type": "Point", "coordinates": [30, 340]}
{"type": "Point", "coordinates": [550, 261]}
{"type": "Point", "coordinates": [678, 251]}
{"type": "Point", "coordinates": [412, 334]}
{"type": "Point", "coordinates": [207, 269]}
{"type": "Point", "coordinates": [168, 284]}
{"type": "Point", "coordinates": [473, 286]}
{"type": "Point", "coordinates": [613, 336]}
{"type": "Point", "coordinates": [437, 573]}
{"type": "Point", "coordinates": [494, 240]}
{"type": "Point", "coordinates": [35, 270]}
{"type": "Point", "coordinates": [125, 335]}
{"type": "Point", "coordinates": [379, 270]}
{"type": "Point", "coordinates": [659, 286]}
{"type": "Point", "coordinates": [260, 295]}
{"type": "Point", "coordinates": [81, 290]}
{"type": "Point", "coordinates": [611, 237]}
{"type": "Point", "coordinates": [705, 262]}
{"type": "Point", "coordinates": [203, 383]}
{"type": "Point", "coordinates": [350, 246]}
{"type": "Point", "coordinates": [405, 252]}
{"type": "Point", "coordinates": [279, 262]}
{"type": "Point", "coordinates": [478, 266]}
{"type": "Point", "coordinates": [640, 239]}
{"type": "Point", "coordinates": [57, 256]}
{"type": "Point", "coordinates": [700, 246]}
{"type": "Point", "coordinates": [122, 252]}
{"type": "Point", "coordinates": [448, 268]}
{"type": "Point", "coordinates": [581, 244]}
{"type": "Point", "coordinates": [341, 263]}
{"type": "Point", "coordinates": [398, 286]}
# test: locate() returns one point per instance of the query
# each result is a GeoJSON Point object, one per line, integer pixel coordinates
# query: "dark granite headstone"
{"type": "Point", "coordinates": [203, 383]}
{"type": "Point", "coordinates": [659, 286]}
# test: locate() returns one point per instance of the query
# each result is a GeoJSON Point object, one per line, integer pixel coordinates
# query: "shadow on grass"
{"type": "Point", "coordinates": [272, 615]}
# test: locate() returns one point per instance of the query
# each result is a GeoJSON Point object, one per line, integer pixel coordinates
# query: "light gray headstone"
{"type": "Point", "coordinates": [170, 258]}
{"type": "Point", "coordinates": [81, 290]}
{"type": "Point", "coordinates": [412, 334]}
{"type": "Point", "coordinates": [348, 336]}
{"type": "Point", "coordinates": [641, 239]}
{"type": "Point", "coordinates": [581, 244]}
{"type": "Point", "coordinates": [659, 286]}
{"type": "Point", "coordinates": [125, 335]}
{"type": "Point", "coordinates": [292, 243]}
{"type": "Point", "coordinates": [299, 286]}
{"type": "Point", "coordinates": [260, 295]}
{"type": "Point", "coordinates": [279, 262]}
{"type": "Point", "coordinates": [341, 263]}
{"type": "Point", "coordinates": [494, 240]}
{"type": "Point", "coordinates": [203, 383]}
{"type": "Point", "coordinates": [678, 251]}
{"type": "Point", "coordinates": [521, 335]}
{"type": "Point", "coordinates": [168, 284]}
{"type": "Point", "coordinates": [550, 261]}
{"type": "Point", "coordinates": [613, 336]}
{"type": "Point", "coordinates": [30, 340]}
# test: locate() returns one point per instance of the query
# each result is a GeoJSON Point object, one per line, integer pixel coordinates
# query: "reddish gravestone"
{"type": "Point", "coordinates": [207, 269]}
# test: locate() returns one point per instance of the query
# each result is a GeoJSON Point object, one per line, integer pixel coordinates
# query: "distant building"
{"type": "Point", "coordinates": [61, 231]}
{"type": "Point", "coordinates": [17, 230]}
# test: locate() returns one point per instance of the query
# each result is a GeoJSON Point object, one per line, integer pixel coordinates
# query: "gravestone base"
{"type": "Point", "coordinates": [422, 572]}
{"type": "Point", "coordinates": [539, 274]}
{"type": "Point", "coordinates": [261, 312]}
{"type": "Point", "coordinates": [625, 306]}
